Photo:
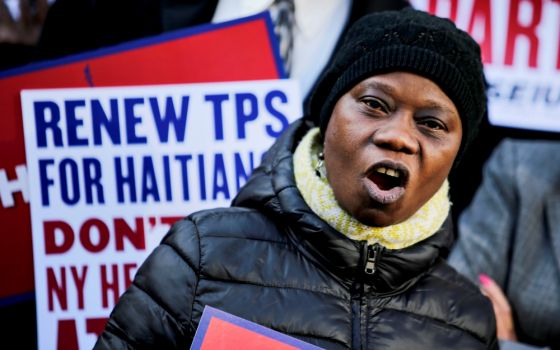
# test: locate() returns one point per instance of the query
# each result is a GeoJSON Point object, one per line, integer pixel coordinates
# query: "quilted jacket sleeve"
{"type": "Point", "coordinates": [155, 311]}
{"type": "Point", "coordinates": [487, 224]}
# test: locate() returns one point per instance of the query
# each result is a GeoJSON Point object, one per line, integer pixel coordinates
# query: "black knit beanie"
{"type": "Point", "coordinates": [412, 41]}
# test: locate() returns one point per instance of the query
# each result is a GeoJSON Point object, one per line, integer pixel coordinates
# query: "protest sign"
{"type": "Point", "coordinates": [112, 168]}
{"type": "Point", "coordinates": [520, 43]}
{"type": "Point", "coordinates": [243, 49]}
{"type": "Point", "coordinates": [219, 330]}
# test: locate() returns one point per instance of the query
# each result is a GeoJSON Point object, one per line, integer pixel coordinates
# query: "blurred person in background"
{"type": "Point", "coordinates": [509, 241]}
{"type": "Point", "coordinates": [21, 23]}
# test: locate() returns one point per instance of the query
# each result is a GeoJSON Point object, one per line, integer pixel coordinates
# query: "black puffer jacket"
{"type": "Point", "coordinates": [271, 260]}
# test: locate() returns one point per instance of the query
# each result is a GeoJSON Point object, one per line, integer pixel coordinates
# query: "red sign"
{"type": "Point", "coordinates": [219, 330]}
{"type": "Point", "coordinates": [520, 46]}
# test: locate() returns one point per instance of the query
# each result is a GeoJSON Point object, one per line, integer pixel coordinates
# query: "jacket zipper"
{"type": "Point", "coordinates": [372, 255]}
{"type": "Point", "coordinates": [357, 318]}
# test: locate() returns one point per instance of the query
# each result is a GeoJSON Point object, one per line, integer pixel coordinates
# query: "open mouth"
{"type": "Point", "coordinates": [387, 182]}
{"type": "Point", "coordinates": [387, 177]}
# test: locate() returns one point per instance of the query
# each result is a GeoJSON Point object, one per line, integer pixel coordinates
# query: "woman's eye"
{"type": "Point", "coordinates": [375, 103]}
{"type": "Point", "coordinates": [432, 124]}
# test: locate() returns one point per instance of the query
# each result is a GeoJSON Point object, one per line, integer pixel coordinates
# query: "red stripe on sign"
{"type": "Point", "coordinates": [222, 335]}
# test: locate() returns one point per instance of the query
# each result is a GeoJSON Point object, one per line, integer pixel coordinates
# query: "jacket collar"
{"type": "Point", "coordinates": [272, 189]}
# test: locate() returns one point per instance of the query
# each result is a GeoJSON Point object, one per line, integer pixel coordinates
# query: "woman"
{"type": "Point", "coordinates": [337, 237]}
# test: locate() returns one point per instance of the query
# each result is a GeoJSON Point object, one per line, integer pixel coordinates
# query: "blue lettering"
{"type": "Point", "coordinates": [539, 92]}
{"type": "Point", "coordinates": [73, 122]}
{"type": "Point", "coordinates": [69, 180]}
{"type": "Point", "coordinates": [184, 159]}
{"type": "Point", "coordinates": [551, 97]}
{"type": "Point", "coordinates": [149, 183]}
{"type": "Point", "coordinates": [41, 123]}
{"type": "Point", "coordinates": [110, 124]}
{"type": "Point", "coordinates": [132, 120]}
{"type": "Point", "coordinates": [201, 177]}
{"type": "Point", "coordinates": [220, 178]}
{"type": "Point", "coordinates": [243, 115]}
{"type": "Point", "coordinates": [167, 178]}
{"type": "Point", "coordinates": [92, 179]}
{"type": "Point", "coordinates": [241, 173]}
{"type": "Point", "coordinates": [218, 114]}
{"type": "Point", "coordinates": [45, 180]}
{"type": "Point", "coordinates": [268, 102]}
{"type": "Point", "coordinates": [516, 92]}
{"type": "Point", "coordinates": [170, 116]}
{"type": "Point", "coordinates": [122, 180]}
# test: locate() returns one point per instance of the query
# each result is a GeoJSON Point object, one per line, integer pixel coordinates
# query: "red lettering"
{"type": "Point", "coordinates": [54, 288]}
{"type": "Point", "coordinates": [50, 228]}
{"type": "Point", "coordinates": [516, 29]}
{"type": "Point", "coordinates": [481, 13]}
{"type": "Point", "coordinates": [67, 337]}
{"type": "Point", "coordinates": [107, 286]}
{"type": "Point", "coordinates": [85, 235]}
{"type": "Point", "coordinates": [135, 237]}
{"type": "Point", "coordinates": [59, 289]}
{"type": "Point", "coordinates": [128, 274]}
{"type": "Point", "coordinates": [79, 281]}
{"type": "Point", "coordinates": [453, 4]}
{"type": "Point", "coordinates": [96, 325]}
{"type": "Point", "coordinates": [94, 235]}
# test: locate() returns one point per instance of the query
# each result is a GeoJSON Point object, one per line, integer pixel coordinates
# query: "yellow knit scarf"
{"type": "Point", "coordinates": [319, 195]}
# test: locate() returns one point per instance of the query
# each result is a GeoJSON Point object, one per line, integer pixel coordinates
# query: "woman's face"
{"type": "Point", "coordinates": [389, 145]}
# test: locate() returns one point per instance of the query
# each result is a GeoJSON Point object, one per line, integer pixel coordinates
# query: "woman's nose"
{"type": "Point", "coordinates": [397, 134]}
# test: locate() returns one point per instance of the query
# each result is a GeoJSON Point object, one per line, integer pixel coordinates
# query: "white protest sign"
{"type": "Point", "coordinates": [110, 170]}
{"type": "Point", "coordinates": [520, 42]}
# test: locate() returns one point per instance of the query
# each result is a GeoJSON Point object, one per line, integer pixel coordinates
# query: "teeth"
{"type": "Point", "coordinates": [392, 173]}
{"type": "Point", "coordinates": [389, 172]}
